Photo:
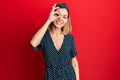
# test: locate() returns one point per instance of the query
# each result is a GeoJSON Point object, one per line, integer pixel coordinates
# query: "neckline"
{"type": "Point", "coordinates": [54, 44]}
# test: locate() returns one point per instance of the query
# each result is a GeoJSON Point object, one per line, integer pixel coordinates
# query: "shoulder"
{"type": "Point", "coordinates": [45, 37]}
{"type": "Point", "coordinates": [70, 36]}
{"type": "Point", "coordinates": [46, 33]}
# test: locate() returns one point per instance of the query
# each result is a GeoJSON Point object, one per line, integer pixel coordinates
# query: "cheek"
{"type": "Point", "coordinates": [53, 22]}
{"type": "Point", "coordinates": [65, 21]}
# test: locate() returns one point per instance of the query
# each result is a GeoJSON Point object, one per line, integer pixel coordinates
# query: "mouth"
{"type": "Point", "coordinates": [58, 22]}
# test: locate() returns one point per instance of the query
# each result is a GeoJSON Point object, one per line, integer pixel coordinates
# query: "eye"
{"type": "Point", "coordinates": [65, 17]}
{"type": "Point", "coordinates": [56, 14]}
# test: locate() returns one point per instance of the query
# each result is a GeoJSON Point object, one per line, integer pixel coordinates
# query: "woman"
{"type": "Point", "coordinates": [57, 45]}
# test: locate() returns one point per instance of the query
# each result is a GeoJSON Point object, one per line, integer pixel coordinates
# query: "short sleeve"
{"type": "Point", "coordinates": [41, 45]}
{"type": "Point", "coordinates": [73, 51]}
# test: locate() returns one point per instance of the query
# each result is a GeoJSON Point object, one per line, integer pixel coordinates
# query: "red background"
{"type": "Point", "coordinates": [95, 28]}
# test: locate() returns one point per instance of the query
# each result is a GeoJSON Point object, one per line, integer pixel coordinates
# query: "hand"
{"type": "Point", "coordinates": [52, 14]}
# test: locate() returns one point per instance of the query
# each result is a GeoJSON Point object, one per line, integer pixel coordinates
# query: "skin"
{"type": "Point", "coordinates": [59, 22]}
{"type": "Point", "coordinates": [59, 19]}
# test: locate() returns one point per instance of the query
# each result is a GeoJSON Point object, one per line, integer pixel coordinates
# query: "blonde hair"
{"type": "Point", "coordinates": [66, 29]}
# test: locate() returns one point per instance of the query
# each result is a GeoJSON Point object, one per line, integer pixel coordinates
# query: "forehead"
{"type": "Point", "coordinates": [62, 11]}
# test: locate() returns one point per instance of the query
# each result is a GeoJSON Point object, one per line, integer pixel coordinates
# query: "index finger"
{"type": "Point", "coordinates": [54, 7]}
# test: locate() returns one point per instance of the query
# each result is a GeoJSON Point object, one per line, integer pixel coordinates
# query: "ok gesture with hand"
{"type": "Point", "coordinates": [52, 13]}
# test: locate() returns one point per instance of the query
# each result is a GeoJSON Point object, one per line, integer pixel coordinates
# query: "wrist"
{"type": "Point", "coordinates": [48, 21]}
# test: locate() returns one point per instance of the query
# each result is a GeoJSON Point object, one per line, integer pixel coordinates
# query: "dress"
{"type": "Point", "coordinates": [58, 65]}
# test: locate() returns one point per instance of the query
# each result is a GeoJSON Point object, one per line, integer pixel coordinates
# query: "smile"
{"type": "Point", "coordinates": [59, 22]}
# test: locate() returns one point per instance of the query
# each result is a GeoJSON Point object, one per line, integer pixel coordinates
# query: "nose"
{"type": "Point", "coordinates": [60, 17]}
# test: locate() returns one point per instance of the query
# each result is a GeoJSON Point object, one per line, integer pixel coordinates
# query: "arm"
{"type": "Point", "coordinates": [40, 33]}
{"type": "Point", "coordinates": [76, 67]}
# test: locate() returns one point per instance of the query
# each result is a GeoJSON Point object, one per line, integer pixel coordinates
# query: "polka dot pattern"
{"type": "Point", "coordinates": [58, 65]}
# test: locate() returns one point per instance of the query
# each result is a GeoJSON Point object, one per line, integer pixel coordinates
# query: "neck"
{"type": "Point", "coordinates": [56, 31]}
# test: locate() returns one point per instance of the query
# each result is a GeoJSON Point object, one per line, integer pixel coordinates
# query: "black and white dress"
{"type": "Point", "coordinates": [58, 63]}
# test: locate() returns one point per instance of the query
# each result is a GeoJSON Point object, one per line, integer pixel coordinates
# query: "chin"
{"type": "Point", "coordinates": [58, 26]}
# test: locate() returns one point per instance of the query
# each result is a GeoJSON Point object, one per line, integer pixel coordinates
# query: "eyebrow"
{"type": "Point", "coordinates": [60, 13]}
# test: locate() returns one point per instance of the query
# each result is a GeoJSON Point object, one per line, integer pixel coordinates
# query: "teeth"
{"type": "Point", "coordinates": [58, 22]}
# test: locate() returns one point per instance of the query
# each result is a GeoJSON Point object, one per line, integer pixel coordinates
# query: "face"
{"type": "Point", "coordinates": [61, 17]}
